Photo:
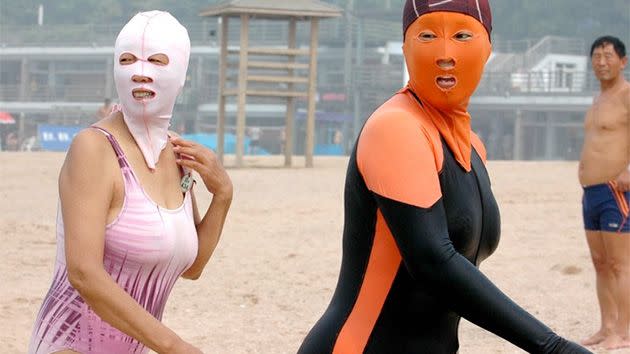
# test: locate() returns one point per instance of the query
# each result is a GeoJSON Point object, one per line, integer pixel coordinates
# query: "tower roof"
{"type": "Point", "coordinates": [273, 9]}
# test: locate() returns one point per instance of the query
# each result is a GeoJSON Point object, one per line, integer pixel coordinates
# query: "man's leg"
{"type": "Point", "coordinates": [618, 252]}
{"type": "Point", "coordinates": [604, 283]}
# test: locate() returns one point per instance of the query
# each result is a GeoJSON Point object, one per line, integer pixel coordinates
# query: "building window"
{"type": "Point", "coordinates": [564, 75]}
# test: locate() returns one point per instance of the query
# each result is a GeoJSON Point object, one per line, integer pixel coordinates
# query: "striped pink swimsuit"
{"type": "Point", "coordinates": [147, 248]}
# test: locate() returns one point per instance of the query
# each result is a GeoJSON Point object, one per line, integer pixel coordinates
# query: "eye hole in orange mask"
{"type": "Point", "coordinates": [446, 53]}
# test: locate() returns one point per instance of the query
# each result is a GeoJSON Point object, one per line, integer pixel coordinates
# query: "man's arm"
{"type": "Point", "coordinates": [623, 180]}
{"type": "Point", "coordinates": [627, 102]}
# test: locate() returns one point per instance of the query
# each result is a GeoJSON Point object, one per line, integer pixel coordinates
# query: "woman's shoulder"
{"type": "Point", "coordinates": [400, 124]}
{"type": "Point", "coordinates": [397, 131]}
{"type": "Point", "coordinates": [398, 157]}
{"type": "Point", "coordinates": [90, 150]}
{"type": "Point", "coordinates": [90, 140]}
{"type": "Point", "coordinates": [401, 110]}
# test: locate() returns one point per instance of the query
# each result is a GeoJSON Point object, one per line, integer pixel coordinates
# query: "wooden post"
{"type": "Point", "coordinates": [312, 86]}
{"type": "Point", "coordinates": [20, 132]}
{"type": "Point", "coordinates": [549, 137]}
{"type": "Point", "coordinates": [199, 99]}
{"type": "Point", "coordinates": [221, 99]}
{"type": "Point", "coordinates": [109, 77]}
{"type": "Point", "coordinates": [290, 116]}
{"type": "Point", "coordinates": [25, 95]}
{"type": "Point", "coordinates": [348, 73]}
{"type": "Point", "coordinates": [242, 90]}
{"type": "Point", "coordinates": [25, 82]}
{"type": "Point", "coordinates": [518, 135]}
{"type": "Point", "coordinates": [51, 91]}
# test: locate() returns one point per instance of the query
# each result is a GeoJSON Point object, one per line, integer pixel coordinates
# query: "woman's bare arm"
{"type": "Point", "coordinates": [218, 183]}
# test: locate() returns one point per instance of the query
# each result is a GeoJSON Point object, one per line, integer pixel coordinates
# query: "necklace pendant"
{"type": "Point", "coordinates": [186, 183]}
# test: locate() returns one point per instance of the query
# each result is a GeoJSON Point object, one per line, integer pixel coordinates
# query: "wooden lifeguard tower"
{"type": "Point", "coordinates": [283, 72]}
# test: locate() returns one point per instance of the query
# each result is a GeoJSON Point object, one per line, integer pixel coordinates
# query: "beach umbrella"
{"type": "Point", "coordinates": [6, 118]}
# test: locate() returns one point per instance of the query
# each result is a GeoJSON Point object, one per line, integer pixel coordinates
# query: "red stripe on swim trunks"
{"type": "Point", "coordinates": [620, 198]}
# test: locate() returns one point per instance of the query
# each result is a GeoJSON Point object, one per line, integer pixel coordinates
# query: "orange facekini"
{"type": "Point", "coordinates": [446, 53]}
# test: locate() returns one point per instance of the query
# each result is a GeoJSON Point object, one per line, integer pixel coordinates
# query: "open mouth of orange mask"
{"type": "Point", "coordinates": [446, 53]}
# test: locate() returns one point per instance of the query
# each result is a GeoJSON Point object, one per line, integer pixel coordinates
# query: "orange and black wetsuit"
{"type": "Point", "coordinates": [419, 212]}
{"type": "Point", "coordinates": [409, 268]}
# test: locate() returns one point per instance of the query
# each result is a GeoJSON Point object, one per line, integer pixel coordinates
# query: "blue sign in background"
{"type": "Point", "coordinates": [56, 137]}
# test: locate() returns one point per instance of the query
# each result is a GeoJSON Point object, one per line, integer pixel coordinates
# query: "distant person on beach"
{"type": "Point", "coordinates": [420, 215]}
{"type": "Point", "coordinates": [605, 175]}
{"type": "Point", "coordinates": [128, 225]}
{"type": "Point", "coordinates": [104, 110]}
{"type": "Point", "coordinates": [12, 142]}
{"type": "Point", "coordinates": [254, 139]}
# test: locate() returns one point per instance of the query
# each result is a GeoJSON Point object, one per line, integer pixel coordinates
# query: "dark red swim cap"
{"type": "Point", "coordinates": [479, 9]}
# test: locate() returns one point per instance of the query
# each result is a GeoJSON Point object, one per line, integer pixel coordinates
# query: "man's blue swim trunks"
{"type": "Point", "coordinates": [605, 208]}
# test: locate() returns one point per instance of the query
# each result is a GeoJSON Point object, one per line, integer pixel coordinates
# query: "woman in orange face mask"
{"type": "Point", "coordinates": [420, 214]}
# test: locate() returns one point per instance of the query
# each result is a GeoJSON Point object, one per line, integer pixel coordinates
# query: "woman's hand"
{"type": "Point", "coordinates": [202, 160]}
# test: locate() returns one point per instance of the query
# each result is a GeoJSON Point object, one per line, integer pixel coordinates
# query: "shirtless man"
{"type": "Point", "coordinates": [605, 174]}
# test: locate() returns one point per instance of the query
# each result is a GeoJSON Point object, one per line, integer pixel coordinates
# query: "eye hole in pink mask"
{"type": "Point", "coordinates": [127, 59]}
{"type": "Point", "coordinates": [157, 59]}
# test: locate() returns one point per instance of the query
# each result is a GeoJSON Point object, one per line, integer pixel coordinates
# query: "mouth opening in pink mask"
{"type": "Point", "coordinates": [142, 94]}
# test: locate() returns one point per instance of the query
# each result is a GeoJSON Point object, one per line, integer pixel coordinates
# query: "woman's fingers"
{"type": "Point", "coordinates": [192, 164]}
{"type": "Point", "coordinates": [200, 159]}
{"type": "Point", "coordinates": [181, 142]}
{"type": "Point", "coordinates": [195, 152]}
{"type": "Point", "coordinates": [212, 179]}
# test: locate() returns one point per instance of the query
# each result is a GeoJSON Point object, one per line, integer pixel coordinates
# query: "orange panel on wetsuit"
{"type": "Point", "coordinates": [399, 153]}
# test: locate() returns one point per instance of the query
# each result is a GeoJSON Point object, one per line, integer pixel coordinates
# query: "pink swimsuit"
{"type": "Point", "coordinates": [147, 248]}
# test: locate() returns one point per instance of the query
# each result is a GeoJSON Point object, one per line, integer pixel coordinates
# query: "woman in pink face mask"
{"type": "Point", "coordinates": [128, 225]}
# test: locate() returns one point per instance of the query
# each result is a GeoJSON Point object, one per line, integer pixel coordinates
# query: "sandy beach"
{"type": "Point", "coordinates": [277, 263]}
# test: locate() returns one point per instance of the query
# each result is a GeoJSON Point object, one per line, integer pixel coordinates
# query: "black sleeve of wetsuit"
{"type": "Point", "coordinates": [429, 255]}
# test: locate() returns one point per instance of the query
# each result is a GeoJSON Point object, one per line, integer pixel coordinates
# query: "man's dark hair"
{"type": "Point", "coordinates": [620, 48]}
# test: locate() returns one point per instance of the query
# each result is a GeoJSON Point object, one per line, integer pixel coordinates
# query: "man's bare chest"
{"type": "Point", "coordinates": [608, 114]}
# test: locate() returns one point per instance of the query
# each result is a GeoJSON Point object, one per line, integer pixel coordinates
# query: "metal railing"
{"type": "Point", "coordinates": [206, 32]}
{"type": "Point", "coordinates": [537, 52]}
{"type": "Point", "coordinates": [373, 83]}
{"type": "Point", "coordinates": [513, 45]}
{"type": "Point", "coordinates": [559, 83]}
{"type": "Point", "coordinates": [555, 45]}
{"type": "Point", "coordinates": [9, 92]}
{"type": "Point", "coordinates": [43, 93]}
{"type": "Point", "coordinates": [262, 32]}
